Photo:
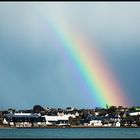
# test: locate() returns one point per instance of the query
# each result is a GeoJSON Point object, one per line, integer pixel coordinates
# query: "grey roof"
{"type": "Point", "coordinates": [20, 116]}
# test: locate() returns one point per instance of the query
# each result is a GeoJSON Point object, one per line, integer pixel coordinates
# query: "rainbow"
{"type": "Point", "coordinates": [87, 64]}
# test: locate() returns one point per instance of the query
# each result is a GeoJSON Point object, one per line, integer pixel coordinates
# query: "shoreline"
{"type": "Point", "coordinates": [72, 126]}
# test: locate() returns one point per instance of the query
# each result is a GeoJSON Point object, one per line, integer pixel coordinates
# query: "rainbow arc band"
{"type": "Point", "coordinates": [86, 62]}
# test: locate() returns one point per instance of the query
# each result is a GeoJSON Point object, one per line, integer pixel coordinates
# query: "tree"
{"type": "Point", "coordinates": [103, 113]}
{"type": "Point", "coordinates": [1, 120]}
{"type": "Point", "coordinates": [120, 107]}
{"type": "Point", "coordinates": [112, 109]}
{"type": "Point", "coordinates": [75, 121]}
{"type": "Point", "coordinates": [132, 109]}
{"type": "Point", "coordinates": [37, 109]}
{"type": "Point", "coordinates": [85, 114]}
{"type": "Point", "coordinates": [138, 122]}
{"type": "Point", "coordinates": [107, 106]}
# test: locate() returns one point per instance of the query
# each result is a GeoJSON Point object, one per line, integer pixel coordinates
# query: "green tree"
{"type": "Point", "coordinates": [138, 122]}
{"type": "Point", "coordinates": [75, 121]}
{"type": "Point", "coordinates": [120, 107]}
{"type": "Point", "coordinates": [112, 109]}
{"type": "Point", "coordinates": [132, 109]}
{"type": "Point", "coordinates": [107, 106]}
{"type": "Point", "coordinates": [38, 109]}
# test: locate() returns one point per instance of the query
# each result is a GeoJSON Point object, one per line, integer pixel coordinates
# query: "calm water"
{"type": "Point", "coordinates": [70, 133]}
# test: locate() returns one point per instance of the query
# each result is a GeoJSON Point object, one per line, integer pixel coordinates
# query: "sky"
{"type": "Point", "coordinates": [32, 71]}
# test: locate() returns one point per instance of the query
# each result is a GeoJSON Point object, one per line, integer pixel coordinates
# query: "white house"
{"type": "Point", "coordinates": [23, 119]}
{"type": "Point", "coordinates": [23, 114]}
{"type": "Point", "coordinates": [57, 120]}
{"type": "Point", "coordinates": [5, 121]}
{"type": "Point", "coordinates": [134, 113]}
{"type": "Point", "coordinates": [95, 122]}
{"type": "Point", "coordinates": [96, 113]}
{"type": "Point", "coordinates": [117, 124]}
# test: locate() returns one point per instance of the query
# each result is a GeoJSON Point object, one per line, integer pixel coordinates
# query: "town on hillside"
{"type": "Point", "coordinates": [39, 116]}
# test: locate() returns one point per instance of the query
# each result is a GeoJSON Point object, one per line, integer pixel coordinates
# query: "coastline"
{"type": "Point", "coordinates": [72, 126]}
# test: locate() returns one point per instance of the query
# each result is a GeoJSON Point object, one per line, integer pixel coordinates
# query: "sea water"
{"type": "Point", "coordinates": [70, 133]}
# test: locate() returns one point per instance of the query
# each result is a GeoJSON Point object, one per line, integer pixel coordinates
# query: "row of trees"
{"type": "Point", "coordinates": [107, 109]}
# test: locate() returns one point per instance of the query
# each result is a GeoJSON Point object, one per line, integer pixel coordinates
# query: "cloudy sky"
{"type": "Point", "coordinates": [32, 72]}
